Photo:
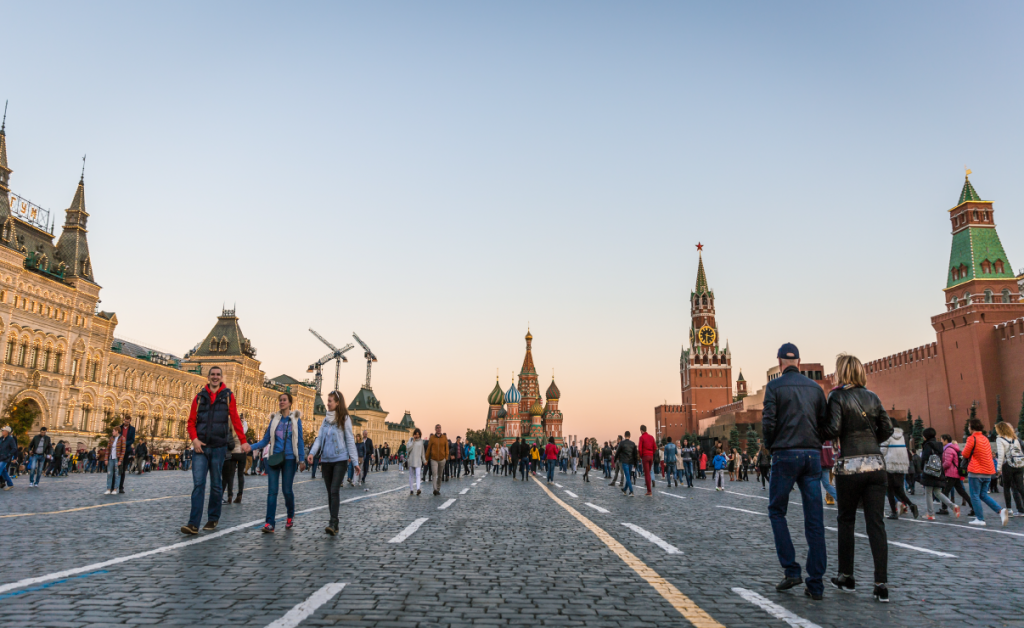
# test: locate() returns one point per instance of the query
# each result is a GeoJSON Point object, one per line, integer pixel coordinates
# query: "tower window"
{"type": "Point", "coordinates": [984, 216]}
{"type": "Point", "coordinates": [986, 268]}
{"type": "Point", "coordinates": [988, 296]}
{"type": "Point", "coordinates": [1006, 296]}
{"type": "Point", "coordinates": [999, 266]}
{"type": "Point", "coordinates": [975, 214]}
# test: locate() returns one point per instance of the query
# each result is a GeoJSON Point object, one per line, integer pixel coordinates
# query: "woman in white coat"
{"type": "Point", "coordinates": [416, 457]}
{"type": "Point", "coordinates": [337, 448]}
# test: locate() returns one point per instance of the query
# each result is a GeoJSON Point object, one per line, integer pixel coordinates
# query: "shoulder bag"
{"type": "Point", "coordinates": [965, 461]}
{"type": "Point", "coordinates": [860, 464]}
{"type": "Point", "coordinates": [277, 460]}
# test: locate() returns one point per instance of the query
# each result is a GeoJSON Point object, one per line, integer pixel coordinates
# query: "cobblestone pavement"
{"type": "Point", "coordinates": [503, 553]}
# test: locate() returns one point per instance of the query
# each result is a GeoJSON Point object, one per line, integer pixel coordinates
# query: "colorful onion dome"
{"type": "Point", "coordinates": [497, 397]}
{"type": "Point", "coordinates": [536, 409]}
{"type": "Point", "coordinates": [553, 392]}
{"type": "Point", "coordinates": [502, 413]}
{"type": "Point", "coordinates": [512, 395]}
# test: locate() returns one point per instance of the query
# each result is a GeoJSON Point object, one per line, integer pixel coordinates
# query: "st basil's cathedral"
{"type": "Point", "coordinates": [518, 412]}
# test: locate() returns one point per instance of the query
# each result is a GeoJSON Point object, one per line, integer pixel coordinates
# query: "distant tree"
{"type": "Point", "coordinates": [734, 438]}
{"type": "Point", "coordinates": [482, 438]}
{"type": "Point", "coordinates": [109, 421]}
{"type": "Point", "coordinates": [967, 423]}
{"type": "Point", "coordinates": [918, 433]}
{"type": "Point", "coordinates": [999, 410]}
{"type": "Point", "coordinates": [250, 436]}
{"type": "Point", "coordinates": [751, 441]}
{"type": "Point", "coordinates": [20, 417]}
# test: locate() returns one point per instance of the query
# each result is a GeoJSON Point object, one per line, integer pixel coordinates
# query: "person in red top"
{"type": "Point", "coordinates": [647, 447]}
{"type": "Point", "coordinates": [210, 421]}
{"type": "Point", "coordinates": [551, 457]}
{"type": "Point", "coordinates": [979, 474]}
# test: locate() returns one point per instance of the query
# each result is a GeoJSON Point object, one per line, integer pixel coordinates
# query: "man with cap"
{"type": "Point", "coordinates": [794, 412]}
{"type": "Point", "coordinates": [8, 451]}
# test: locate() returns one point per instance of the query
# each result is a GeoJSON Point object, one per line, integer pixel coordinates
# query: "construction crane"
{"type": "Point", "coordinates": [336, 354]}
{"type": "Point", "coordinates": [370, 358]}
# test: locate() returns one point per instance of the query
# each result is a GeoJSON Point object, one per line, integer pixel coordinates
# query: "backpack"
{"type": "Point", "coordinates": [1014, 457]}
{"type": "Point", "coordinates": [933, 467]}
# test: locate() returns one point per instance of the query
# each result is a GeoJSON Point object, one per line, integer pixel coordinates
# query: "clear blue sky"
{"type": "Point", "coordinates": [435, 175]}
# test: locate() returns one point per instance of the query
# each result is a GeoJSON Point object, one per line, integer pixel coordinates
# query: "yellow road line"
{"type": "Point", "coordinates": [686, 607]}
{"type": "Point", "coordinates": [133, 501]}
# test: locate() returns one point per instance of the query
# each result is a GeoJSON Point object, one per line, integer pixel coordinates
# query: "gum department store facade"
{"type": "Point", "coordinates": [62, 359]}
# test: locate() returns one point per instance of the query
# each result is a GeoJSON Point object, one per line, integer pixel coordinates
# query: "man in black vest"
{"type": "Point", "coordinates": [212, 417]}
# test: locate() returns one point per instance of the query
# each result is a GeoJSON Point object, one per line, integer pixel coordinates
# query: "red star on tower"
{"type": "Point", "coordinates": [700, 247]}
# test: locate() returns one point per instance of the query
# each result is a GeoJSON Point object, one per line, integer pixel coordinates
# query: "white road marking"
{"type": "Point", "coordinates": [763, 514]}
{"type": "Point", "coordinates": [304, 609]}
{"type": "Point", "coordinates": [962, 526]}
{"type": "Point", "coordinates": [407, 532]}
{"type": "Point", "coordinates": [903, 545]}
{"type": "Point", "coordinates": [774, 609]}
{"type": "Point", "coordinates": [671, 549]}
{"type": "Point", "coordinates": [571, 494]}
{"type": "Point", "coordinates": [701, 488]}
{"type": "Point", "coordinates": [672, 495]}
{"type": "Point", "coordinates": [558, 485]}
{"type": "Point", "coordinates": [446, 504]}
{"type": "Point", "coordinates": [463, 491]}
{"type": "Point", "coordinates": [160, 550]}
{"type": "Point", "coordinates": [598, 508]}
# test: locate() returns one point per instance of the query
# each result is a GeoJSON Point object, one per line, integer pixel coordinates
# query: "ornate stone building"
{"type": "Point", "coordinates": [367, 414]}
{"type": "Point", "coordinates": [525, 415]}
{"type": "Point", "coordinates": [62, 359]}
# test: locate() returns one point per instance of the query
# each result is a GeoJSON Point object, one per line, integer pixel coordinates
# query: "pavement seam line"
{"type": "Point", "coordinates": [159, 550]}
{"type": "Point", "coordinates": [686, 607]}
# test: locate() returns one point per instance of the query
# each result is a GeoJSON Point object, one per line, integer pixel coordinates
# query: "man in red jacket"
{"type": "Point", "coordinates": [647, 447]}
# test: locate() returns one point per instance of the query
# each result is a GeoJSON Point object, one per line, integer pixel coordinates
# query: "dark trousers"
{"type": "Point", "coordinates": [764, 475]}
{"type": "Point", "coordinates": [513, 465]}
{"type": "Point", "coordinates": [870, 490]}
{"type": "Point", "coordinates": [334, 477]}
{"type": "Point", "coordinates": [803, 468]}
{"type": "Point", "coordinates": [366, 467]}
{"type": "Point", "coordinates": [895, 481]}
{"type": "Point", "coordinates": [958, 485]}
{"type": "Point", "coordinates": [524, 465]}
{"type": "Point", "coordinates": [647, 462]}
{"type": "Point", "coordinates": [234, 463]}
{"type": "Point", "coordinates": [124, 468]}
{"type": "Point", "coordinates": [1013, 482]}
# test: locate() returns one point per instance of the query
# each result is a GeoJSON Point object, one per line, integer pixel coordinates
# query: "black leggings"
{"type": "Point", "coordinates": [764, 475]}
{"type": "Point", "coordinates": [1013, 484]}
{"type": "Point", "coordinates": [866, 489]}
{"type": "Point", "coordinates": [234, 463]}
{"type": "Point", "coordinates": [334, 476]}
{"type": "Point", "coordinates": [957, 483]}
{"type": "Point", "coordinates": [896, 491]}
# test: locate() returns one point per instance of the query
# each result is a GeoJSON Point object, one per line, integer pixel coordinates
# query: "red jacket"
{"type": "Point", "coordinates": [551, 451]}
{"type": "Point", "coordinates": [647, 446]}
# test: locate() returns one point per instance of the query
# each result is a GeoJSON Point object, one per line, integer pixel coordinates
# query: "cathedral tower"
{"type": "Point", "coordinates": [495, 401]}
{"type": "Point", "coordinates": [513, 427]}
{"type": "Point", "coordinates": [552, 415]}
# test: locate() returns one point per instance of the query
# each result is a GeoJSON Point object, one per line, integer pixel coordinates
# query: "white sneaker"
{"type": "Point", "coordinates": [106, 492]}
{"type": "Point", "coordinates": [976, 522]}
{"type": "Point", "coordinates": [1004, 516]}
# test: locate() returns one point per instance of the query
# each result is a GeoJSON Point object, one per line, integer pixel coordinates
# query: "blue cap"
{"type": "Point", "coordinates": [789, 351]}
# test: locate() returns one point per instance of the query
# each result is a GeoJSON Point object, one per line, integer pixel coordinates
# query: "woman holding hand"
{"type": "Point", "coordinates": [337, 450]}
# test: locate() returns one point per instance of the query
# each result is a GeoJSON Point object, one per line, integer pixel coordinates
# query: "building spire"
{"type": "Point", "coordinates": [968, 193]}
{"type": "Point", "coordinates": [81, 180]}
{"type": "Point", "coordinates": [702, 280]}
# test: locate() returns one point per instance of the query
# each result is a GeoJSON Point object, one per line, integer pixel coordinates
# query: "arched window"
{"type": "Point", "coordinates": [967, 298]}
{"type": "Point", "coordinates": [954, 302]}
{"type": "Point", "coordinates": [1006, 295]}
{"type": "Point", "coordinates": [975, 214]}
{"type": "Point", "coordinates": [954, 273]}
{"type": "Point", "coordinates": [984, 216]}
{"type": "Point", "coordinates": [213, 344]}
{"type": "Point", "coordinates": [999, 266]}
{"type": "Point", "coordinates": [704, 301]}
{"type": "Point", "coordinates": [988, 296]}
{"type": "Point", "coordinates": [986, 268]}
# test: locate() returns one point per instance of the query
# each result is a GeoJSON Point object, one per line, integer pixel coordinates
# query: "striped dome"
{"type": "Point", "coordinates": [553, 392]}
{"type": "Point", "coordinates": [512, 395]}
{"type": "Point", "coordinates": [536, 409]}
{"type": "Point", "coordinates": [502, 413]}
{"type": "Point", "coordinates": [496, 398]}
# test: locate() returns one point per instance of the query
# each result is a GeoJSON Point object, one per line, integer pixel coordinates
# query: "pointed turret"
{"type": "Point", "coordinates": [73, 247]}
{"type": "Point", "coordinates": [702, 280]}
{"type": "Point", "coordinates": [966, 194]}
{"type": "Point", "coordinates": [528, 366]}
{"type": "Point", "coordinates": [5, 171]}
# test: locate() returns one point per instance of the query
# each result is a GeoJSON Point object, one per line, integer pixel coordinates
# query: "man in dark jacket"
{"type": "Point", "coordinates": [8, 455]}
{"type": "Point", "coordinates": [40, 450]}
{"type": "Point", "coordinates": [368, 444]}
{"type": "Point", "coordinates": [794, 414]}
{"type": "Point", "coordinates": [627, 457]}
{"type": "Point", "coordinates": [212, 415]}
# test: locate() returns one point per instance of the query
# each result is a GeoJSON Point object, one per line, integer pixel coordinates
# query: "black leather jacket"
{"type": "Point", "coordinates": [794, 412]}
{"type": "Point", "coordinates": [856, 417]}
{"type": "Point", "coordinates": [627, 452]}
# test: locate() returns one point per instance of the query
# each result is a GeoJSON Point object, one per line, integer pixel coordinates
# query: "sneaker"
{"type": "Point", "coordinates": [7, 488]}
{"type": "Point", "coordinates": [267, 528]}
{"type": "Point", "coordinates": [1004, 516]}
{"type": "Point", "coordinates": [956, 511]}
{"type": "Point", "coordinates": [844, 583]}
{"type": "Point", "coordinates": [288, 524]}
{"type": "Point", "coordinates": [210, 525]}
{"type": "Point", "coordinates": [814, 596]}
{"type": "Point", "coordinates": [763, 488]}
{"type": "Point", "coordinates": [881, 593]}
{"type": "Point", "coordinates": [914, 510]}
{"type": "Point", "coordinates": [106, 492]}
{"type": "Point", "coordinates": [944, 511]}
{"type": "Point", "coordinates": [976, 522]}
{"type": "Point", "coordinates": [892, 516]}
{"type": "Point", "coordinates": [787, 583]}
{"type": "Point", "coordinates": [437, 492]}
{"type": "Point", "coordinates": [189, 529]}
{"type": "Point", "coordinates": [411, 493]}
{"type": "Point", "coordinates": [929, 518]}
{"type": "Point", "coordinates": [417, 493]}
{"type": "Point", "coordinates": [121, 491]}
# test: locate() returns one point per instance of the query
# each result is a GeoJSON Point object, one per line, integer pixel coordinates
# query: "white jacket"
{"type": "Point", "coordinates": [415, 452]}
{"type": "Point", "coordinates": [895, 452]}
{"type": "Point", "coordinates": [1003, 446]}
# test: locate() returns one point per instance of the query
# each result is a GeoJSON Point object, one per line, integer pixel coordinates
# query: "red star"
{"type": "Point", "coordinates": [700, 247]}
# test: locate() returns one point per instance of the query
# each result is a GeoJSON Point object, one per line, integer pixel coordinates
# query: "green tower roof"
{"type": "Point", "coordinates": [971, 247]}
{"type": "Point", "coordinates": [702, 280]}
{"type": "Point", "coordinates": [968, 193]}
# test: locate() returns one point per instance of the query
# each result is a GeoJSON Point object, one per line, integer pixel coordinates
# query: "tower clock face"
{"type": "Point", "coordinates": [706, 335]}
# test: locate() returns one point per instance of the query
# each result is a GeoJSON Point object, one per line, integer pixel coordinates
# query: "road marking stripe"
{"type": "Point", "coordinates": [407, 532]}
{"type": "Point", "coordinates": [763, 514]}
{"type": "Point", "coordinates": [558, 485]}
{"type": "Point", "coordinates": [671, 549]}
{"type": "Point", "coordinates": [962, 526]}
{"type": "Point", "coordinates": [50, 584]}
{"type": "Point", "coordinates": [686, 607]}
{"type": "Point", "coordinates": [672, 495]}
{"type": "Point", "coordinates": [446, 504]}
{"type": "Point", "coordinates": [903, 545]}
{"type": "Point", "coordinates": [774, 609]}
{"type": "Point", "coordinates": [463, 491]}
{"type": "Point", "coordinates": [598, 508]}
{"type": "Point", "coordinates": [159, 550]}
{"type": "Point", "coordinates": [701, 488]}
{"type": "Point", "coordinates": [571, 494]}
{"type": "Point", "coordinates": [304, 609]}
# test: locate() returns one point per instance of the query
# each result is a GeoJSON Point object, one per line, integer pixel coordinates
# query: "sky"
{"type": "Point", "coordinates": [437, 177]}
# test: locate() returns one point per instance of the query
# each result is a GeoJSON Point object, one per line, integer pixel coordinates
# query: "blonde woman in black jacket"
{"type": "Point", "coordinates": [856, 417]}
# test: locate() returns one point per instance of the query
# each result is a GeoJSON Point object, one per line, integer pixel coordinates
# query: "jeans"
{"type": "Point", "coordinates": [365, 469]}
{"type": "Point", "coordinates": [351, 472]}
{"type": "Point", "coordinates": [112, 468]}
{"type": "Point", "coordinates": [124, 470]}
{"type": "Point", "coordinates": [828, 485]}
{"type": "Point", "coordinates": [5, 478]}
{"type": "Point", "coordinates": [607, 468]}
{"type": "Point", "coordinates": [551, 470]}
{"type": "Point", "coordinates": [316, 463]}
{"type": "Point", "coordinates": [285, 475]}
{"type": "Point", "coordinates": [627, 473]}
{"type": "Point", "coordinates": [764, 475]}
{"type": "Point", "coordinates": [688, 472]}
{"type": "Point", "coordinates": [38, 462]}
{"type": "Point", "coordinates": [670, 473]}
{"type": "Point", "coordinates": [334, 477]}
{"type": "Point", "coordinates": [978, 488]}
{"type": "Point", "coordinates": [802, 467]}
{"type": "Point", "coordinates": [868, 489]}
{"type": "Point", "coordinates": [211, 462]}
{"type": "Point", "coordinates": [524, 465]}
{"type": "Point", "coordinates": [719, 475]}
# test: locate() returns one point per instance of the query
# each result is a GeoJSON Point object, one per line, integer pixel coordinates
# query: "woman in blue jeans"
{"type": "Point", "coordinates": [980, 471]}
{"type": "Point", "coordinates": [287, 452]}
